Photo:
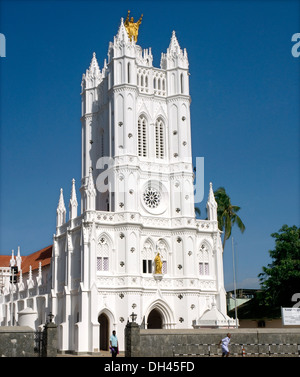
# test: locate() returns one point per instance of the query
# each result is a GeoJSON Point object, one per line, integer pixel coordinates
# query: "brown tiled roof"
{"type": "Point", "coordinates": [33, 260]}
{"type": "Point", "coordinates": [4, 260]}
{"type": "Point", "coordinates": [43, 255]}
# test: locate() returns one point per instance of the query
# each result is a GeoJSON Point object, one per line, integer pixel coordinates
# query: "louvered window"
{"type": "Point", "coordinates": [203, 268]}
{"type": "Point", "coordinates": [159, 139]}
{"type": "Point", "coordinates": [164, 267]}
{"type": "Point", "coordinates": [102, 264]}
{"type": "Point", "coordinates": [142, 137]}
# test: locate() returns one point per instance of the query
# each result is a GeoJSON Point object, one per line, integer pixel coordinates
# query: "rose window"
{"type": "Point", "coordinates": [151, 197]}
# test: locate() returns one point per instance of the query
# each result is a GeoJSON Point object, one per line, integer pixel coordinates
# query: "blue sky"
{"type": "Point", "coordinates": [244, 86]}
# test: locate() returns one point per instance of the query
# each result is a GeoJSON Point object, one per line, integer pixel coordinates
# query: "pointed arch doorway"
{"type": "Point", "coordinates": [104, 332]}
{"type": "Point", "coordinates": [155, 320]}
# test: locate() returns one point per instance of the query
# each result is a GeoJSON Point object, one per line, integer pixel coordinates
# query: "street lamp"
{"type": "Point", "coordinates": [50, 316]}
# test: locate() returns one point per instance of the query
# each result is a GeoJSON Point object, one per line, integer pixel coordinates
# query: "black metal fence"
{"type": "Point", "coordinates": [238, 349]}
{"type": "Point", "coordinates": [40, 343]}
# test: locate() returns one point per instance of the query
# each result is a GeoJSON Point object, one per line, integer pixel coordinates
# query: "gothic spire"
{"type": "Point", "coordinates": [174, 57]}
{"type": "Point", "coordinates": [73, 204]}
{"type": "Point", "coordinates": [94, 66]}
{"type": "Point", "coordinates": [39, 277]}
{"type": "Point", "coordinates": [92, 76]}
{"type": "Point", "coordinates": [19, 259]}
{"type": "Point", "coordinates": [211, 205]}
{"type": "Point", "coordinates": [211, 196]}
{"type": "Point", "coordinates": [12, 260]}
{"type": "Point", "coordinates": [61, 210]}
{"type": "Point", "coordinates": [122, 34]}
{"type": "Point", "coordinates": [90, 192]}
{"type": "Point", "coordinates": [30, 282]}
{"type": "Point", "coordinates": [174, 46]}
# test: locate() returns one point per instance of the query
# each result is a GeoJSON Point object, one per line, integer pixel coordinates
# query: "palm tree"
{"type": "Point", "coordinates": [227, 216]}
{"type": "Point", "coordinates": [197, 211]}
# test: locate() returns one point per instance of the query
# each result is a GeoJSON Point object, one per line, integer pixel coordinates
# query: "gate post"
{"type": "Point", "coordinates": [51, 339]}
{"type": "Point", "coordinates": [132, 340]}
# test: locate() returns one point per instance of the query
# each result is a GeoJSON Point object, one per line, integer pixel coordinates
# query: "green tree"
{"type": "Point", "coordinates": [227, 214]}
{"type": "Point", "coordinates": [281, 278]}
{"type": "Point", "coordinates": [197, 211]}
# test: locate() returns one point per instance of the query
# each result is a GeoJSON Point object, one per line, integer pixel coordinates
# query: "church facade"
{"type": "Point", "coordinates": [136, 247]}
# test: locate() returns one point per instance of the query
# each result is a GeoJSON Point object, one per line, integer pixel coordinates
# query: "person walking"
{"type": "Point", "coordinates": [224, 344]}
{"type": "Point", "coordinates": [114, 346]}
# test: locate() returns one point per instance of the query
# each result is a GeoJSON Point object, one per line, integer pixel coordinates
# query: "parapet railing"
{"type": "Point", "coordinates": [237, 349]}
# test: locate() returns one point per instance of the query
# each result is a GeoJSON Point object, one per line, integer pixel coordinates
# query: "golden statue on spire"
{"type": "Point", "coordinates": [132, 28]}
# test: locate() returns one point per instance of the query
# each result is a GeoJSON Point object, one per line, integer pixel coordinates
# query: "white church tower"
{"type": "Point", "coordinates": [137, 201]}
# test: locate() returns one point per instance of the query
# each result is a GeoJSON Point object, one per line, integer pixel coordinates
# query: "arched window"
{"type": "Point", "coordinates": [120, 79]}
{"type": "Point", "coordinates": [147, 257]}
{"type": "Point", "coordinates": [142, 136]}
{"type": "Point", "coordinates": [128, 72]}
{"type": "Point", "coordinates": [181, 83]}
{"type": "Point", "coordinates": [173, 84]}
{"type": "Point", "coordinates": [102, 254]}
{"type": "Point", "coordinates": [203, 260]}
{"type": "Point", "coordinates": [159, 139]}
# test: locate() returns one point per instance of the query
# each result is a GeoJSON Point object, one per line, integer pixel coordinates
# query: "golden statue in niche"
{"type": "Point", "coordinates": [158, 264]}
{"type": "Point", "coordinates": [132, 28]}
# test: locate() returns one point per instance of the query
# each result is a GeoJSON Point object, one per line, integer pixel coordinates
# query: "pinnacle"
{"type": "Point", "coordinates": [61, 203]}
{"type": "Point", "coordinates": [211, 196]}
{"type": "Point", "coordinates": [91, 186]}
{"type": "Point", "coordinates": [73, 199]}
{"type": "Point", "coordinates": [94, 66]}
{"type": "Point", "coordinates": [174, 45]}
{"type": "Point", "coordinates": [122, 33]}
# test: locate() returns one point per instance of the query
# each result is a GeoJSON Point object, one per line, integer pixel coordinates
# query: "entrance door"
{"type": "Point", "coordinates": [104, 328]}
{"type": "Point", "coordinates": [155, 320]}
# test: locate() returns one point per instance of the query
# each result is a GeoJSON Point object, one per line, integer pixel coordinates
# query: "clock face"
{"type": "Point", "coordinates": [151, 197]}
